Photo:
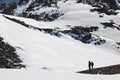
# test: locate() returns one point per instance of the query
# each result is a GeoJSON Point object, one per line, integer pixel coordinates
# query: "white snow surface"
{"type": "Point", "coordinates": [58, 58]}
{"type": "Point", "coordinates": [46, 75]}
{"type": "Point", "coordinates": [60, 53]}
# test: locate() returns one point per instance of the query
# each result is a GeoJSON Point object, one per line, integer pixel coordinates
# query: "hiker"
{"type": "Point", "coordinates": [92, 64]}
{"type": "Point", "coordinates": [89, 65]}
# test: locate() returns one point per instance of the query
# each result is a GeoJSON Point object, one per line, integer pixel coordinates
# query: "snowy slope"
{"type": "Point", "coordinates": [60, 57]}
{"type": "Point", "coordinates": [78, 15]}
{"type": "Point", "coordinates": [50, 57]}
{"type": "Point", "coordinates": [43, 50]}
{"type": "Point", "coordinates": [63, 53]}
{"type": "Point", "coordinates": [46, 75]}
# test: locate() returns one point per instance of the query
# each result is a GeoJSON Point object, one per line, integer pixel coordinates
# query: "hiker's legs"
{"type": "Point", "coordinates": [89, 67]}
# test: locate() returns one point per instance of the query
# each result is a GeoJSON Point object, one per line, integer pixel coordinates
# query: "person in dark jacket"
{"type": "Point", "coordinates": [89, 65]}
{"type": "Point", "coordinates": [92, 64]}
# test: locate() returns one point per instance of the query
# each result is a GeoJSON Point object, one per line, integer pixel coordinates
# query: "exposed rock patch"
{"type": "Point", "coordinates": [77, 32]}
{"type": "Point", "coordinates": [109, 70]}
{"type": "Point", "coordinates": [9, 57]}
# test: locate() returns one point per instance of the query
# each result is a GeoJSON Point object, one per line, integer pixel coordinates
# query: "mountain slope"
{"type": "Point", "coordinates": [50, 10]}
{"type": "Point", "coordinates": [113, 69]}
{"type": "Point", "coordinates": [59, 47]}
{"type": "Point", "coordinates": [40, 50]}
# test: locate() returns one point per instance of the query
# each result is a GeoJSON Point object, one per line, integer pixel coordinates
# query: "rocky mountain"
{"type": "Point", "coordinates": [61, 37]}
{"type": "Point", "coordinates": [49, 10]}
{"type": "Point", "coordinates": [25, 8]}
{"type": "Point", "coordinates": [103, 6]}
{"type": "Point", "coordinates": [109, 4]}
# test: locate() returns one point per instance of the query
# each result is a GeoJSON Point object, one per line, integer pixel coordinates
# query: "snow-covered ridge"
{"type": "Point", "coordinates": [60, 57]}
{"type": "Point", "coordinates": [55, 53]}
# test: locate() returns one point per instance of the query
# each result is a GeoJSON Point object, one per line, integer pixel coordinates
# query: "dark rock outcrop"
{"type": "Point", "coordinates": [102, 6]}
{"type": "Point", "coordinates": [110, 4]}
{"type": "Point", "coordinates": [9, 7]}
{"type": "Point", "coordinates": [9, 57]}
{"type": "Point", "coordinates": [109, 70]}
{"type": "Point", "coordinates": [111, 25]}
{"type": "Point", "coordinates": [77, 32]}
